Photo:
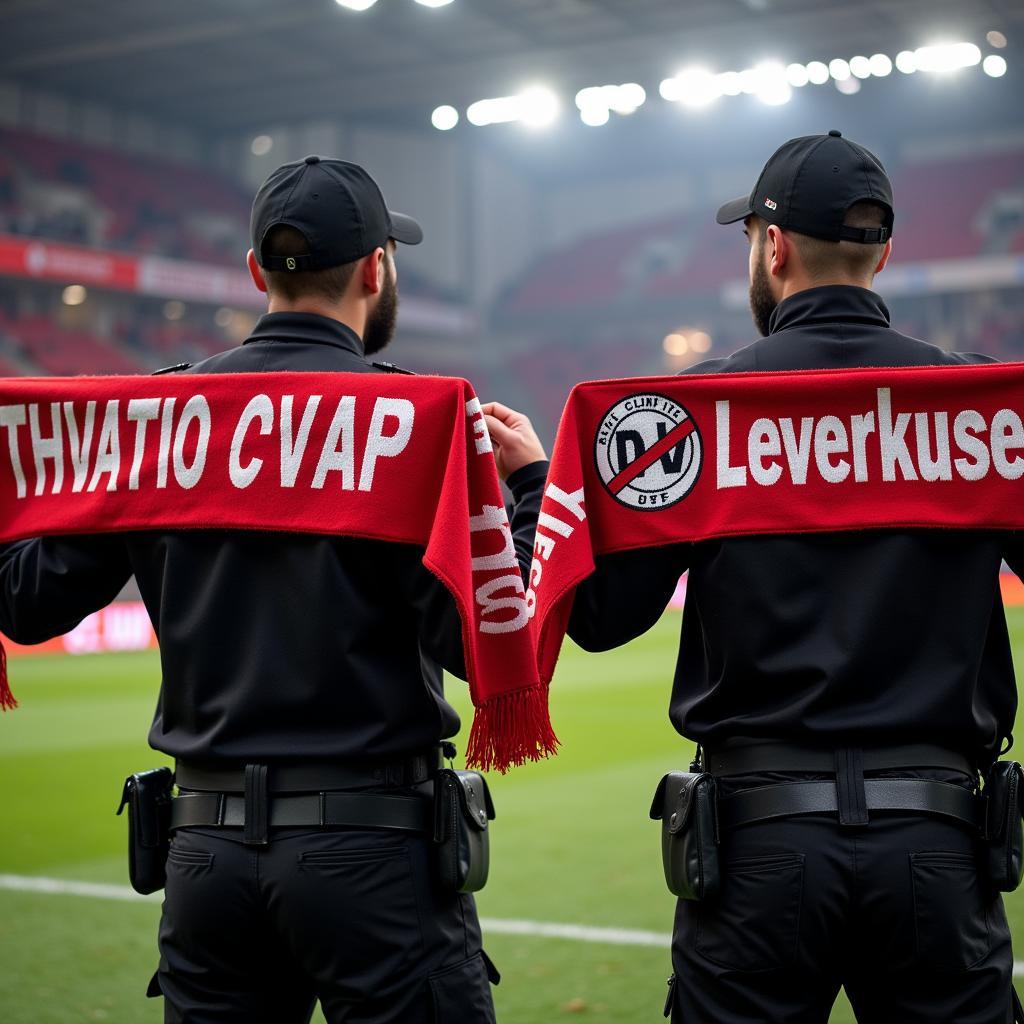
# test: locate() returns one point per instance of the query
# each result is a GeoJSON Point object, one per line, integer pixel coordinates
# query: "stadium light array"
{"type": "Point", "coordinates": [598, 102]}
{"type": "Point", "coordinates": [536, 107]}
{"type": "Point", "coordinates": [696, 87]}
{"type": "Point", "coordinates": [356, 5]}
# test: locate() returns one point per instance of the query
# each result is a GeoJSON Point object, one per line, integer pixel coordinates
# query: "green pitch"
{"type": "Point", "coordinates": [572, 843]}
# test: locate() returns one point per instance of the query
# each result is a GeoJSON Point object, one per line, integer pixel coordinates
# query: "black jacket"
{"type": "Point", "coordinates": [271, 647]}
{"type": "Point", "coordinates": [871, 636]}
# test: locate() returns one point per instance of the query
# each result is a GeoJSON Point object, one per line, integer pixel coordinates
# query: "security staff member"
{"type": "Point", "coordinates": [825, 657]}
{"type": "Point", "coordinates": [297, 663]}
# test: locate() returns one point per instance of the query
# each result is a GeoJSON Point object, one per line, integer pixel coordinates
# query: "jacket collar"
{"type": "Point", "coordinates": [306, 327]}
{"type": "Point", "coordinates": [830, 304]}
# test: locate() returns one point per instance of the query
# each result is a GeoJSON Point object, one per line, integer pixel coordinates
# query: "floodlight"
{"type": "Point", "coordinates": [730, 83]}
{"type": "Point", "coordinates": [994, 66]}
{"type": "Point", "coordinates": [797, 76]}
{"type": "Point", "coordinates": [996, 38]}
{"type": "Point", "coordinates": [444, 118]}
{"type": "Point", "coordinates": [669, 90]}
{"type": "Point", "coordinates": [945, 57]}
{"type": "Point", "coordinates": [839, 69]}
{"type": "Point", "coordinates": [628, 97]}
{"type": "Point", "coordinates": [881, 65]}
{"type": "Point", "coordinates": [906, 61]}
{"type": "Point", "coordinates": [434, 3]}
{"type": "Point", "coordinates": [698, 87]}
{"type": "Point", "coordinates": [261, 145]}
{"type": "Point", "coordinates": [817, 73]}
{"type": "Point", "coordinates": [700, 341]}
{"type": "Point", "coordinates": [749, 80]}
{"type": "Point", "coordinates": [860, 67]}
{"type": "Point", "coordinates": [848, 86]}
{"type": "Point", "coordinates": [595, 116]}
{"type": "Point", "coordinates": [356, 5]}
{"type": "Point", "coordinates": [538, 107]}
{"type": "Point", "coordinates": [771, 87]}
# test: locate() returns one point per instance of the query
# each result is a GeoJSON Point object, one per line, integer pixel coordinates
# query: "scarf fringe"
{"type": "Point", "coordinates": [511, 730]}
{"type": "Point", "coordinates": [7, 701]}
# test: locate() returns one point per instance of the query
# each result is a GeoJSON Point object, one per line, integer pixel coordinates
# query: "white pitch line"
{"type": "Point", "coordinates": [495, 925]}
{"type": "Point", "coordinates": [576, 932]}
{"type": "Point", "coordinates": [69, 887]}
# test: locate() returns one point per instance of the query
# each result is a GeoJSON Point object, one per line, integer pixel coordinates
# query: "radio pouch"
{"type": "Point", "coordinates": [685, 804]}
{"type": "Point", "coordinates": [462, 812]}
{"type": "Point", "coordinates": [147, 795]}
{"type": "Point", "coordinates": [1004, 824]}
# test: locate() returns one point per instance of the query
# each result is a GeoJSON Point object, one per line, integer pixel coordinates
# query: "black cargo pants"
{"type": "Point", "coordinates": [353, 919]}
{"type": "Point", "coordinates": [896, 911]}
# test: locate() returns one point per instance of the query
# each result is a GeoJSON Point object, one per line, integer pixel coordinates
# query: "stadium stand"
{"type": "Point", "coordinates": [73, 192]}
{"type": "Point", "coordinates": [951, 208]}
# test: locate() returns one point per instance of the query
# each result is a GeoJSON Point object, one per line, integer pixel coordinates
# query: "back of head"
{"type": "Point", "coordinates": [827, 261]}
{"type": "Point", "coordinates": [330, 285]}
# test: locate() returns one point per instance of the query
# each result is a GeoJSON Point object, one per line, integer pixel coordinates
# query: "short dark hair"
{"type": "Point", "coordinates": [824, 259]}
{"type": "Point", "coordinates": [327, 284]}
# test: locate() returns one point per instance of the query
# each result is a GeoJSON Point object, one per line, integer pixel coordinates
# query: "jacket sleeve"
{"type": "Point", "coordinates": [527, 487]}
{"type": "Point", "coordinates": [440, 626]}
{"type": "Point", "coordinates": [48, 586]}
{"type": "Point", "coordinates": [625, 596]}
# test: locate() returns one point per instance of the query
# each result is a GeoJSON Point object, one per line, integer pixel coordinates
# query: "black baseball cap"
{"type": "Point", "coordinates": [808, 185]}
{"type": "Point", "coordinates": [337, 207]}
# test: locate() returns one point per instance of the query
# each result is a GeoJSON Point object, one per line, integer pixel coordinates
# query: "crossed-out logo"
{"type": "Point", "coordinates": [648, 451]}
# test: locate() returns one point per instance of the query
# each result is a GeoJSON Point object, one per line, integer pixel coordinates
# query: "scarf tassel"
{"type": "Point", "coordinates": [7, 701]}
{"type": "Point", "coordinates": [511, 730]}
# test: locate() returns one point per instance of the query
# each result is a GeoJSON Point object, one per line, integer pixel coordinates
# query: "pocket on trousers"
{"type": "Point", "coordinates": [189, 859]}
{"type": "Point", "coordinates": [950, 910]}
{"type": "Point", "coordinates": [754, 925]}
{"type": "Point", "coordinates": [462, 993]}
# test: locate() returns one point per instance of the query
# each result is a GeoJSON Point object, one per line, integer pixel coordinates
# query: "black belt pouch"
{"type": "Point", "coordinates": [1004, 825]}
{"type": "Point", "coordinates": [147, 795]}
{"type": "Point", "coordinates": [462, 811]}
{"type": "Point", "coordinates": [685, 804]}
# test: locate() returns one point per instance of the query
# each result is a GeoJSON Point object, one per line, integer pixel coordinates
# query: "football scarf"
{"type": "Point", "coordinates": [391, 458]}
{"type": "Point", "coordinates": [662, 460]}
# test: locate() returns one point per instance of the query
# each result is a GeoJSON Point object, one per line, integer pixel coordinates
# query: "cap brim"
{"type": "Point", "coordinates": [404, 229]}
{"type": "Point", "coordinates": [737, 209]}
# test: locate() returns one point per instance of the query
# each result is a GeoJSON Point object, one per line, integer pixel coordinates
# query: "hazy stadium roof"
{"type": "Point", "coordinates": [227, 66]}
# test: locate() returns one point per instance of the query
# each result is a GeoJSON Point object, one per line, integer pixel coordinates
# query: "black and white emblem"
{"type": "Point", "coordinates": [648, 451]}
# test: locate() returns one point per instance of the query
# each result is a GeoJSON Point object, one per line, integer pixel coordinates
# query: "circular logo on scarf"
{"type": "Point", "coordinates": [648, 451]}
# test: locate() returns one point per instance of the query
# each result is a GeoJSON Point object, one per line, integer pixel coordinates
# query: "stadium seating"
{"type": "Point", "coordinates": [71, 191]}
{"type": "Point", "coordinates": [947, 209]}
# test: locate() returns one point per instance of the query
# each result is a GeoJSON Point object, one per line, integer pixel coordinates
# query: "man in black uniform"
{"type": "Point", "coordinates": [297, 664]}
{"type": "Point", "coordinates": [831, 657]}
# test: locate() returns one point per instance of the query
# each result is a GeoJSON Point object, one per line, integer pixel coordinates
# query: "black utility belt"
{"type": "Point", "coordinates": [309, 810]}
{"type": "Point", "coordinates": [693, 816]}
{"type": "Point", "coordinates": [454, 812]}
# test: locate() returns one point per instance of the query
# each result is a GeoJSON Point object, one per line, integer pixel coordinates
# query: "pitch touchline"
{"type": "Point", "coordinates": [496, 926]}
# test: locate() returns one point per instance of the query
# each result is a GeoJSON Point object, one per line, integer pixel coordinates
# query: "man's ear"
{"type": "Point", "coordinates": [256, 271]}
{"type": "Point", "coordinates": [373, 271]}
{"type": "Point", "coordinates": [886, 255]}
{"type": "Point", "coordinates": [779, 249]}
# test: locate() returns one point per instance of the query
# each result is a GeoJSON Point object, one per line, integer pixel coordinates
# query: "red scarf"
{"type": "Point", "coordinates": [404, 459]}
{"type": "Point", "coordinates": [661, 460]}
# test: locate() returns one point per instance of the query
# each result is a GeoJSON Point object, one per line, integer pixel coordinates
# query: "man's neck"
{"type": "Point", "coordinates": [341, 311]}
{"type": "Point", "coordinates": [803, 284]}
